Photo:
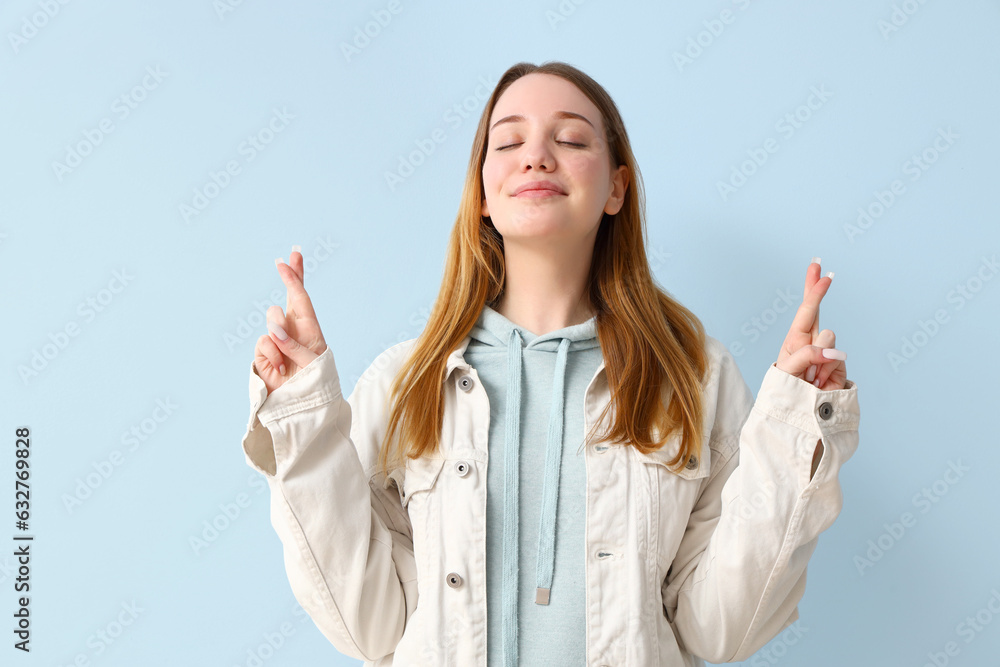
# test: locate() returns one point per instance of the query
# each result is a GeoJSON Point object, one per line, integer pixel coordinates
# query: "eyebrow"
{"type": "Point", "coordinates": [558, 114]}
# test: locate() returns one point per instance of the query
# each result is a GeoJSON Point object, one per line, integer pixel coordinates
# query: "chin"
{"type": "Point", "coordinates": [522, 227]}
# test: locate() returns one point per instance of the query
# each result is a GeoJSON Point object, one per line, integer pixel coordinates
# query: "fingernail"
{"type": "Point", "coordinates": [816, 383]}
{"type": "Point", "coordinates": [811, 373]}
{"type": "Point", "coordinates": [816, 260]}
{"type": "Point", "coordinates": [277, 331]}
{"type": "Point", "coordinates": [832, 353]}
{"type": "Point", "coordinates": [297, 248]}
{"type": "Point", "coordinates": [281, 369]}
{"type": "Point", "coordinates": [830, 275]}
{"type": "Point", "coordinates": [279, 261]}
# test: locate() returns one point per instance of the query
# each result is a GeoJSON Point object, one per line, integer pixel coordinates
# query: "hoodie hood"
{"type": "Point", "coordinates": [495, 330]}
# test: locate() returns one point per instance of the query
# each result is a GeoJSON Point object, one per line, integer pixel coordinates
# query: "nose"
{"type": "Point", "coordinates": [537, 155]}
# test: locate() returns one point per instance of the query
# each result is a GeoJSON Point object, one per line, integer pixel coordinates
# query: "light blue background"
{"type": "Point", "coordinates": [173, 333]}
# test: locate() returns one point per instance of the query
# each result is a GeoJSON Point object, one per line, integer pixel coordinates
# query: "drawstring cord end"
{"type": "Point", "coordinates": [541, 596]}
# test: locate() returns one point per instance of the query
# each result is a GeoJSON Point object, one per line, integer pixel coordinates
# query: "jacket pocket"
{"type": "Point", "coordinates": [422, 502]}
{"type": "Point", "coordinates": [670, 496]}
{"type": "Point", "coordinates": [420, 477]}
{"type": "Point", "coordinates": [697, 466]}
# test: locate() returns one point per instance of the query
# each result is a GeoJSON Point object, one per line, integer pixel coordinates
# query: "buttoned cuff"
{"type": "Point", "coordinates": [802, 404]}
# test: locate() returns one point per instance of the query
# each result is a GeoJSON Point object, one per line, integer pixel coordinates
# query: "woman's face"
{"type": "Point", "coordinates": [543, 128]}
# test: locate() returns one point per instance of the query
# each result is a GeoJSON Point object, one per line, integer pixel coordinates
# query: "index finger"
{"type": "Point", "coordinates": [296, 299]}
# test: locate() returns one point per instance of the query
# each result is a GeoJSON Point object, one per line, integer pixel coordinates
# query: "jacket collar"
{"type": "Point", "coordinates": [457, 358]}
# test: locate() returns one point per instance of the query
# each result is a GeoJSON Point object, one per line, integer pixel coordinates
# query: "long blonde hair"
{"type": "Point", "coordinates": [650, 342]}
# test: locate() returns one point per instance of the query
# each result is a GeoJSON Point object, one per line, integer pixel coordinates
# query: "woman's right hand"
{"type": "Point", "coordinates": [277, 360]}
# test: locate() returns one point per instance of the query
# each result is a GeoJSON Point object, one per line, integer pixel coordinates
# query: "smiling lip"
{"type": "Point", "coordinates": [538, 189]}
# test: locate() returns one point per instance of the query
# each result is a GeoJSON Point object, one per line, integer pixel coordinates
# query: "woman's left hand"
{"type": "Point", "coordinates": [802, 353]}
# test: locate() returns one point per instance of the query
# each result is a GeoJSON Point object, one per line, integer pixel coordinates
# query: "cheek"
{"type": "Point", "coordinates": [492, 176]}
{"type": "Point", "coordinates": [590, 176]}
{"type": "Point", "coordinates": [586, 167]}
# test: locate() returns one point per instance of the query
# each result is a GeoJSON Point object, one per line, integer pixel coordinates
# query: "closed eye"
{"type": "Point", "coordinates": [568, 143]}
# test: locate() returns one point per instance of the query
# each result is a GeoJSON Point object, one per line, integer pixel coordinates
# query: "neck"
{"type": "Point", "coordinates": [546, 287]}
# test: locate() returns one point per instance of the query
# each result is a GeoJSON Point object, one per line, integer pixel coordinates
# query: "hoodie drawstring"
{"type": "Point", "coordinates": [550, 491]}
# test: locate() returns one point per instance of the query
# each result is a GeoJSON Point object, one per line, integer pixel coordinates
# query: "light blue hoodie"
{"type": "Point", "coordinates": [536, 600]}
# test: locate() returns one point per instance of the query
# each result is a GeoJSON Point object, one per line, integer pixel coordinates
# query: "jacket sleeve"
{"type": "Point", "coordinates": [347, 541]}
{"type": "Point", "coordinates": [740, 569]}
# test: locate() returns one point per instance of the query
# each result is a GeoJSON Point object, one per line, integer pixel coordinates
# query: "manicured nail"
{"type": "Point", "coordinates": [833, 353]}
{"type": "Point", "coordinates": [281, 369]}
{"type": "Point", "coordinates": [811, 373]}
{"type": "Point", "coordinates": [279, 261]}
{"type": "Point", "coordinates": [277, 331]}
{"type": "Point", "coordinates": [816, 260]}
{"type": "Point", "coordinates": [297, 248]}
{"type": "Point", "coordinates": [830, 275]}
{"type": "Point", "coordinates": [816, 383]}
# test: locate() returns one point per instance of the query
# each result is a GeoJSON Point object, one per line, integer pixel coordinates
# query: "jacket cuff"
{"type": "Point", "coordinates": [830, 418]}
{"type": "Point", "coordinates": [801, 404]}
{"type": "Point", "coordinates": [316, 384]}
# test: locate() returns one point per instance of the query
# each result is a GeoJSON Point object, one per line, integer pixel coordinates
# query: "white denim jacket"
{"type": "Point", "coordinates": [706, 564]}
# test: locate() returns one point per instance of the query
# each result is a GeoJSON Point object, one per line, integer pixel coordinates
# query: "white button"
{"type": "Point", "coordinates": [462, 468]}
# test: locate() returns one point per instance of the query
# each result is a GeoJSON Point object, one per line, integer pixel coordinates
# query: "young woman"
{"type": "Point", "coordinates": [563, 468]}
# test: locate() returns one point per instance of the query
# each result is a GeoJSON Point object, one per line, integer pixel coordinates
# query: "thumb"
{"type": "Point", "coordinates": [798, 362]}
{"type": "Point", "coordinates": [291, 348]}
